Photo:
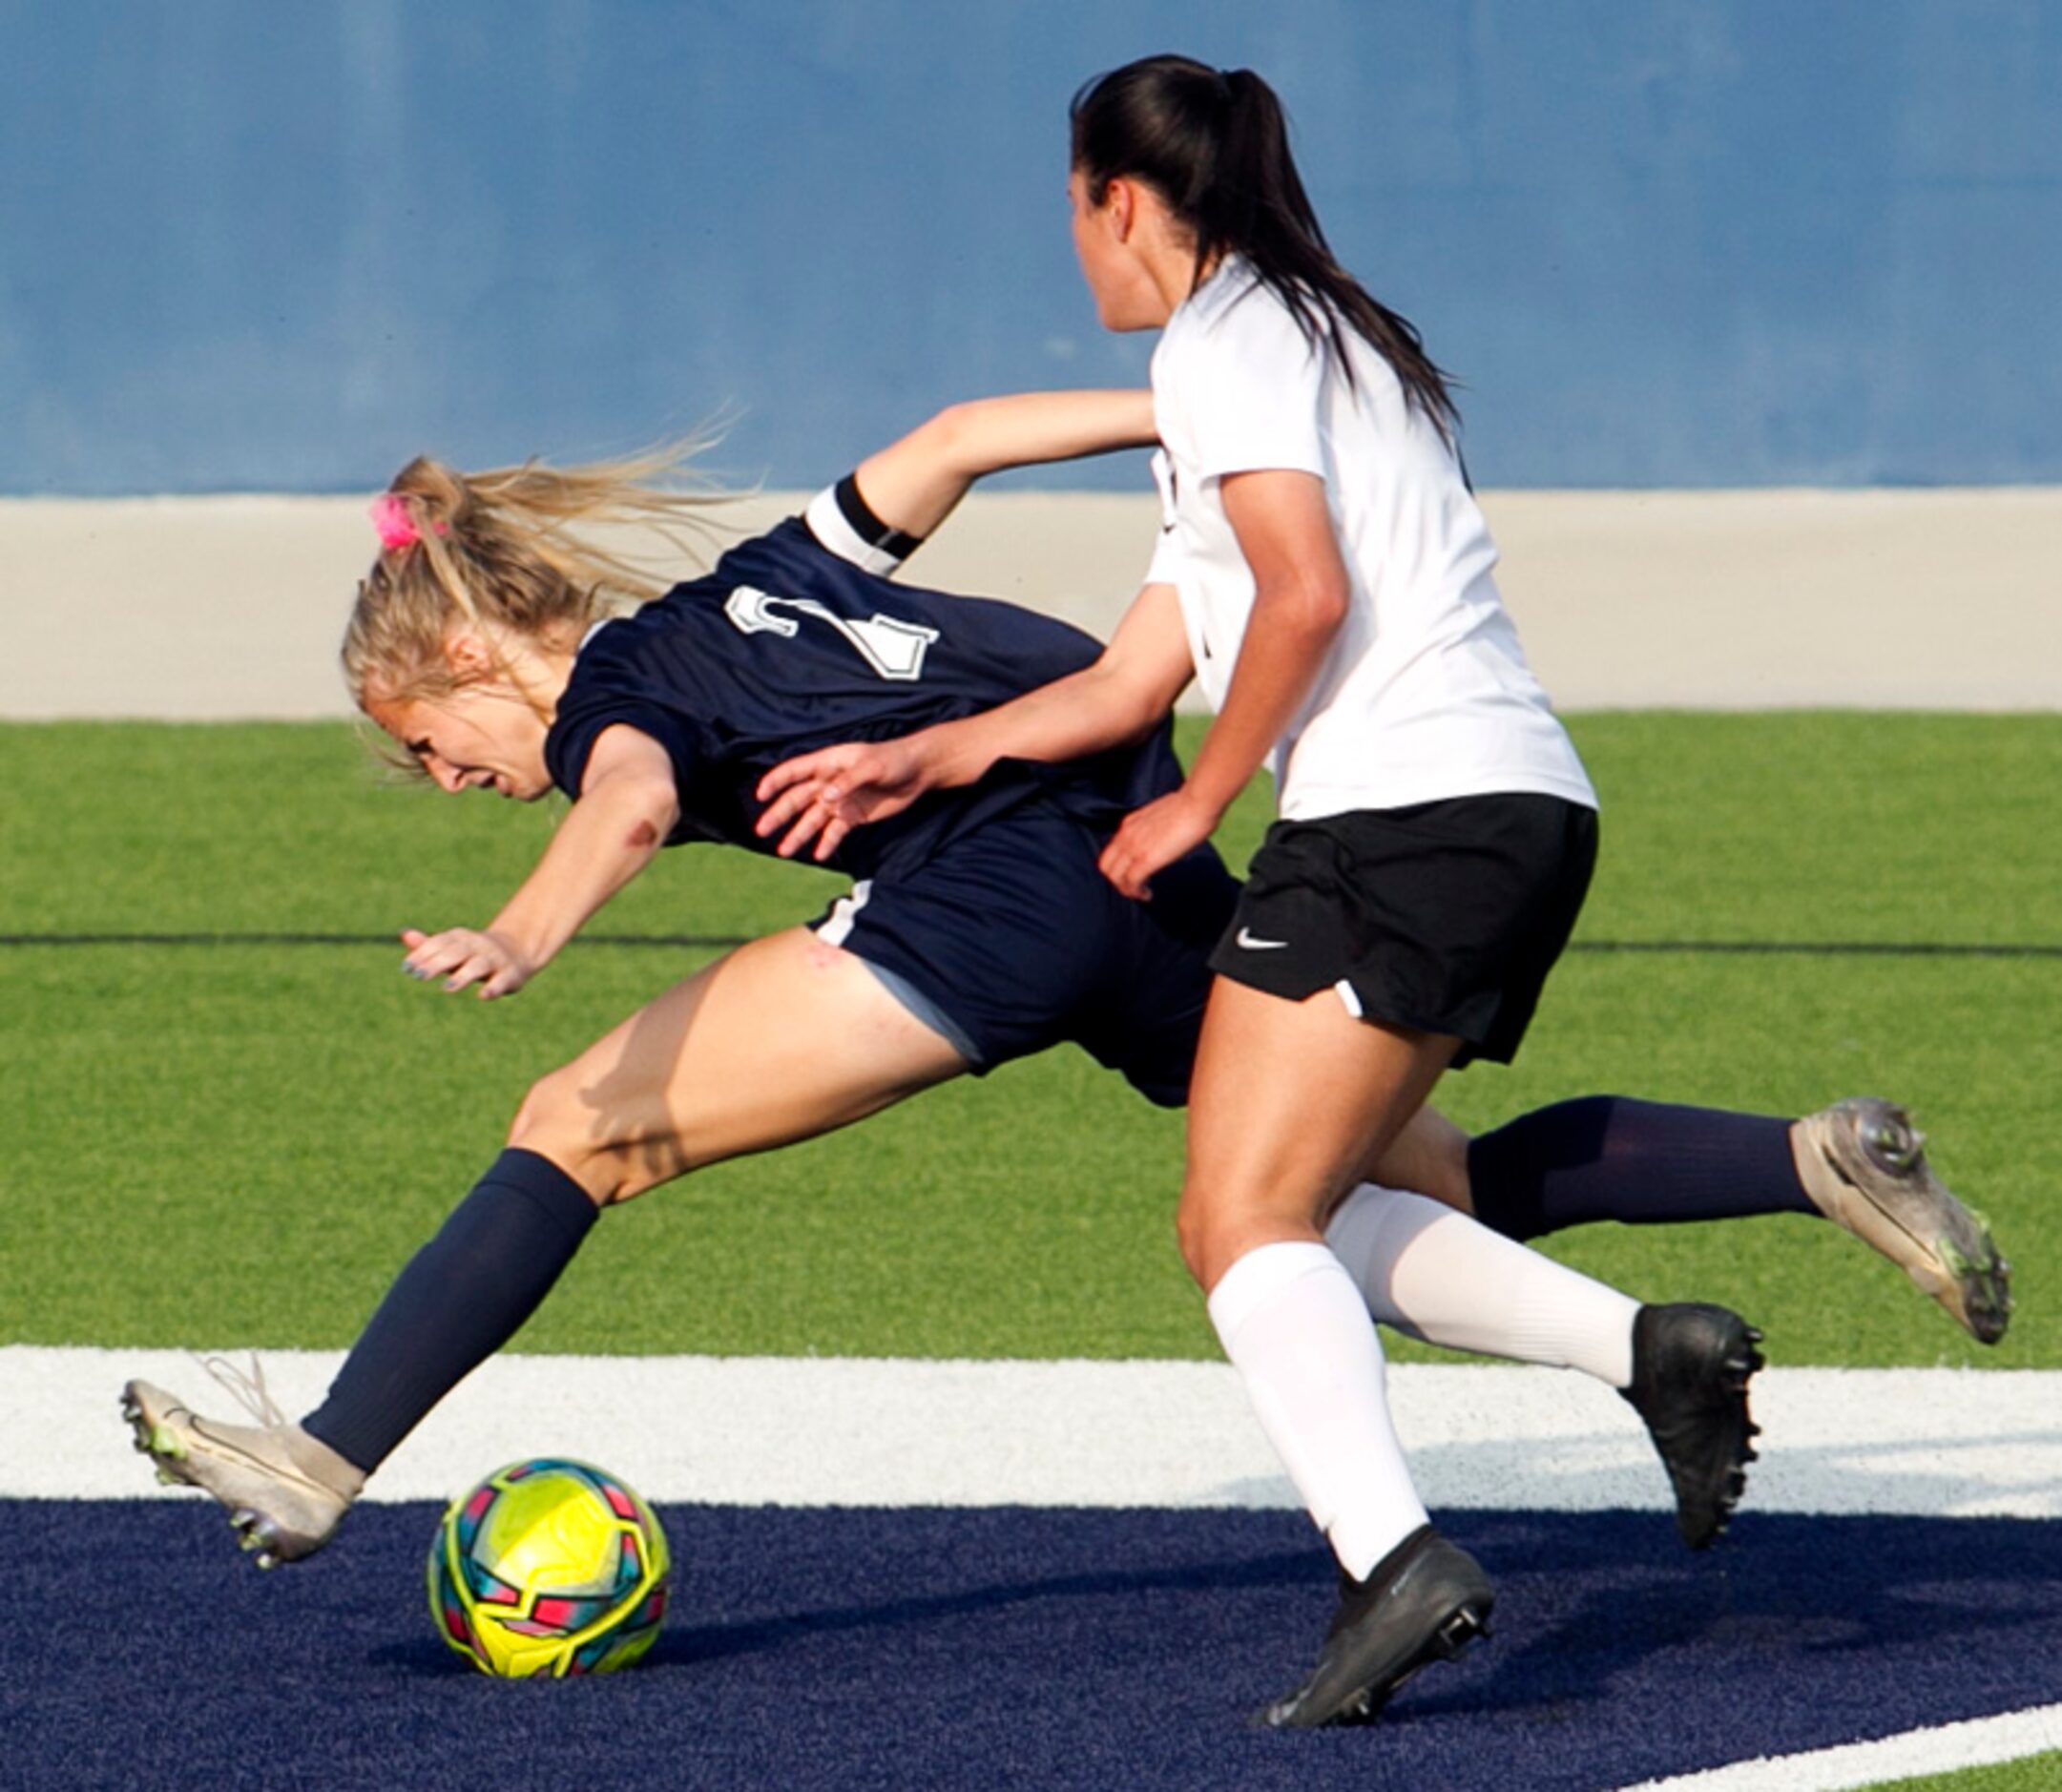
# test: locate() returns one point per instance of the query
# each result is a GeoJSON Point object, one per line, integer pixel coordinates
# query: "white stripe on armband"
{"type": "Point", "coordinates": [827, 523]}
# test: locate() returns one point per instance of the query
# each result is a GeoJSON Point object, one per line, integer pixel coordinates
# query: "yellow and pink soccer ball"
{"type": "Point", "coordinates": [549, 1568]}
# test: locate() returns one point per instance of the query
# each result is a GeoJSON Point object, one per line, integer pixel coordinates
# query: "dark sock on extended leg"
{"type": "Point", "coordinates": [460, 1299]}
{"type": "Point", "coordinates": [1640, 1162]}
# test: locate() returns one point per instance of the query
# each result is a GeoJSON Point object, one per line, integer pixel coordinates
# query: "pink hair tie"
{"type": "Point", "coordinates": [390, 517]}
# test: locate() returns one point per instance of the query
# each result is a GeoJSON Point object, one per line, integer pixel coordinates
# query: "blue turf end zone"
{"type": "Point", "coordinates": [1006, 1648]}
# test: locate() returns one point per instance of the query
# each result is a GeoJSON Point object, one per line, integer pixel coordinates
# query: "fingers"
{"type": "Point", "coordinates": [811, 823]}
{"type": "Point", "coordinates": [476, 967]}
{"type": "Point", "coordinates": [1124, 866]}
{"type": "Point", "coordinates": [820, 822]}
{"type": "Point", "coordinates": [1149, 841]}
{"type": "Point", "coordinates": [802, 768]}
{"type": "Point", "coordinates": [430, 954]}
{"type": "Point", "coordinates": [822, 797]}
{"type": "Point", "coordinates": [504, 981]}
{"type": "Point", "coordinates": [835, 828]}
{"type": "Point", "coordinates": [807, 778]}
{"type": "Point", "coordinates": [800, 809]}
{"type": "Point", "coordinates": [461, 958]}
{"type": "Point", "coordinates": [1152, 839]}
{"type": "Point", "coordinates": [784, 808]}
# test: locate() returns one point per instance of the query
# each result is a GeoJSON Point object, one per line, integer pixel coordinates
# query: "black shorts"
{"type": "Point", "coordinates": [1013, 941]}
{"type": "Point", "coordinates": [1444, 917]}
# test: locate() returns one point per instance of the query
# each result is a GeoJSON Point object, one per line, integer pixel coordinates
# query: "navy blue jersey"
{"type": "Point", "coordinates": [797, 640]}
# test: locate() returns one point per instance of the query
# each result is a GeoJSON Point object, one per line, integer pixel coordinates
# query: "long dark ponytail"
{"type": "Point", "coordinates": [1216, 147]}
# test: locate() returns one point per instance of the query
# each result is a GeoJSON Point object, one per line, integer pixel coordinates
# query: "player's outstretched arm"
{"type": "Point", "coordinates": [627, 805]}
{"type": "Point", "coordinates": [1300, 600]}
{"type": "Point", "coordinates": [823, 796]}
{"type": "Point", "coordinates": [913, 484]}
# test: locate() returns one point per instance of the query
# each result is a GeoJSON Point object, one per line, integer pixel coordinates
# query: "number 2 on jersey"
{"type": "Point", "coordinates": [893, 648]}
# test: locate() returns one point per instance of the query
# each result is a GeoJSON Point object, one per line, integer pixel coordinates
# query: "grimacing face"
{"type": "Point", "coordinates": [481, 737]}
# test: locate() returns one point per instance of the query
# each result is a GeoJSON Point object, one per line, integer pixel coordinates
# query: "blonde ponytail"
{"type": "Point", "coordinates": [512, 552]}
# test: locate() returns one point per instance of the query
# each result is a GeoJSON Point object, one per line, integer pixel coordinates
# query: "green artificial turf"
{"type": "Point", "coordinates": [215, 1143]}
{"type": "Point", "coordinates": [2036, 1773]}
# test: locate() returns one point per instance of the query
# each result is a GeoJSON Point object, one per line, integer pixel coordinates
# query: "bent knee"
{"type": "Point", "coordinates": [559, 1121]}
{"type": "Point", "coordinates": [543, 1122]}
{"type": "Point", "coordinates": [1215, 1229]}
{"type": "Point", "coordinates": [1209, 1230]}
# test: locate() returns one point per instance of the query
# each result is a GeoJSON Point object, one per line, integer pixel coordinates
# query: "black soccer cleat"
{"type": "Point", "coordinates": [1691, 1365]}
{"type": "Point", "coordinates": [1424, 1601]}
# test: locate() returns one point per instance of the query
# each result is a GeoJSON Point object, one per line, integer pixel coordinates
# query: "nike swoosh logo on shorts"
{"type": "Point", "coordinates": [1248, 939]}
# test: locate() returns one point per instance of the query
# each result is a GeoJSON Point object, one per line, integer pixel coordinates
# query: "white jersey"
{"type": "Point", "coordinates": [1424, 692]}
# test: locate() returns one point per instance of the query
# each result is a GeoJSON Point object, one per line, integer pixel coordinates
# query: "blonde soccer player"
{"type": "Point", "coordinates": [501, 652]}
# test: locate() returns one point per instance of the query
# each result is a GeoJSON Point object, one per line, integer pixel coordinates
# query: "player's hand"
{"type": "Point", "coordinates": [1153, 838]}
{"type": "Point", "coordinates": [824, 795]}
{"type": "Point", "coordinates": [463, 956]}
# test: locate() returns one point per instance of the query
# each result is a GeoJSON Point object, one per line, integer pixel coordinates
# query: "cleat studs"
{"type": "Point", "coordinates": [1465, 1627]}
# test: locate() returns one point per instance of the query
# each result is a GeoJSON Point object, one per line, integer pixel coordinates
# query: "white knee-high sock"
{"type": "Point", "coordinates": [1437, 1275]}
{"type": "Point", "coordinates": [1300, 1335]}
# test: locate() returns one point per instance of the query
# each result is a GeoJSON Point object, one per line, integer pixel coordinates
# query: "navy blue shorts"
{"type": "Point", "coordinates": [1013, 941]}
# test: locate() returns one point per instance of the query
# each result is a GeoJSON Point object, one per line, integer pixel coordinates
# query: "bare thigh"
{"type": "Point", "coordinates": [777, 1041]}
{"type": "Point", "coordinates": [1428, 1157]}
{"type": "Point", "coordinates": [1290, 1102]}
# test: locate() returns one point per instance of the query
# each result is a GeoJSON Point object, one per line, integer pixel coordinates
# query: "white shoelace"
{"type": "Point", "coordinates": [247, 1390]}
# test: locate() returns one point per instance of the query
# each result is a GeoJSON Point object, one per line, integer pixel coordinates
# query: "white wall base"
{"type": "Point", "coordinates": [191, 608]}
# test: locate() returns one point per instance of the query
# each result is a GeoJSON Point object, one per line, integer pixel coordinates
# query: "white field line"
{"type": "Point", "coordinates": [1948, 1748]}
{"type": "Point", "coordinates": [852, 1431]}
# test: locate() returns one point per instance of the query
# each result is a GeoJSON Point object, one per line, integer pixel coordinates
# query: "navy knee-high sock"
{"type": "Point", "coordinates": [1640, 1162]}
{"type": "Point", "coordinates": [458, 1300]}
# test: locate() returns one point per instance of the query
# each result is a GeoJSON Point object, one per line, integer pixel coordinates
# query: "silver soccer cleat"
{"type": "Point", "coordinates": [1864, 1164]}
{"type": "Point", "coordinates": [285, 1491]}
